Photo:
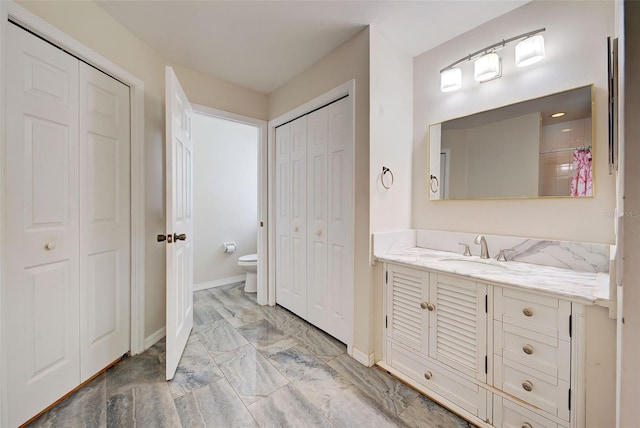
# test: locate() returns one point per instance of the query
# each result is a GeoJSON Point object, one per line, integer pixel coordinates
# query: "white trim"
{"type": "Point", "coordinates": [154, 337]}
{"type": "Point", "coordinates": [263, 249]}
{"type": "Point", "coordinates": [348, 89]}
{"type": "Point", "coordinates": [9, 9]}
{"type": "Point", "coordinates": [218, 283]}
{"type": "Point", "coordinates": [364, 359]}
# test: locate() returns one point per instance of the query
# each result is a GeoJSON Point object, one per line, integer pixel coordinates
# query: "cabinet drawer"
{"type": "Point", "coordinates": [543, 314]}
{"type": "Point", "coordinates": [508, 414]}
{"type": "Point", "coordinates": [545, 354]}
{"type": "Point", "coordinates": [460, 391]}
{"type": "Point", "coordinates": [545, 392]}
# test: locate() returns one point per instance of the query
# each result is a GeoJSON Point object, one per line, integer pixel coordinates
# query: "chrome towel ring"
{"type": "Point", "coordinates": [386, 170]}
{"type": "Point", "coordinates": [434, 184]}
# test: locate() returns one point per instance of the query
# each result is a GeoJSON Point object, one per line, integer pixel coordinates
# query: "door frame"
{"type": "Point", "coordinates": [346, 89]}
{"type": "Point", "coordinates": [35, 24]}
{"type": "Point", "coordinates": [261, 125]}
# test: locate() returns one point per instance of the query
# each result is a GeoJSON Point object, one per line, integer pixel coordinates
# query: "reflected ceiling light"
{"type": "Point", "coordinates": [487, 64]}
{"type": "Point", "coordinates": [530, 50]}
{"type": "Point", "coordinates": [450, 79]}
{"type": "Point", "coordinates": [558, 114]}
{"type": "Point", "coordinates": [487, 67]}
{"type": "Point", "coordinates": [565, 130]}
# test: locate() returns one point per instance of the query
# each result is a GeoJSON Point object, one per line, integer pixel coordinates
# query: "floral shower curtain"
{"type": "Point", "coordinates": [581, 184]}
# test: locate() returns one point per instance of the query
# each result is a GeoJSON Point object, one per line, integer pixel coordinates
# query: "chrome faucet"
{"type": "Point", "coordinates": [484, 251]}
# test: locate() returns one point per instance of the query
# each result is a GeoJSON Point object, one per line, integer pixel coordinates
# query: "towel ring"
{"type": "Point", "coordinates": [386, 170]}
{"type": "Point", "coordinates": [432, 180]}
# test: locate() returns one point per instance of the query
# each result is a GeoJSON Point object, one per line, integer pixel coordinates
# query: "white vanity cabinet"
{"type": "Point", "coordinates": [498, 356]}
{"type": "Point", "coordinates": [436, 329]}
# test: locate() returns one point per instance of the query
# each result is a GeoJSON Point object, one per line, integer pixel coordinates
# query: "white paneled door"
{"type": "Point", "coordinates": [66, 242]}
{"type": "Point", "coordinates": [104, 221]}
{"type": "Point", "coordinates": [314, 211]}
{"type": "Point", "coordinates": [179, 198]}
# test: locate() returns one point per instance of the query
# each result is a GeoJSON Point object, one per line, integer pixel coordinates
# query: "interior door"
{"type": "Point", "coordinates": [284, 293]}
{"type": "Point", "coordinates": [104, 148]}
{"type": "Point", "coordinates": [179, 198]}
{"type": "Point", "coordinates": [41, 295]}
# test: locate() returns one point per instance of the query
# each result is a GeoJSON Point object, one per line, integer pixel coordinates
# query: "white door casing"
{"type": "Point", "coordinates": [179, 198]}
{"type": "Point", "coordinates": [42, 273]}
{"type": "Point", "coordinates": [105, 254]}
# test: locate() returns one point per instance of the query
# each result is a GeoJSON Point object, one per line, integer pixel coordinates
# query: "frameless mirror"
{"type": "Point", "coordinates": [536, 148]}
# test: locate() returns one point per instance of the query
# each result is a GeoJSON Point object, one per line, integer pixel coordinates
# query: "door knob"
{"type": "Point", "coordinates": [181, 237]}
{"type": "Point", "coordinates": [50, 246]}
{"type": "Point", "coordinates": [161, 238]}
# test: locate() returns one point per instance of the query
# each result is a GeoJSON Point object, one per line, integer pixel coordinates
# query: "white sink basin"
{"type": "Point", "coordinates": [477, 265]}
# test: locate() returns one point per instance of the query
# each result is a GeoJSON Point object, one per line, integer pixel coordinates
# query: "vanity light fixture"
{"type": "Point", "coordinates": [450, 79]}
{"type": "Point", "coordinates": [530, 50]}
{"type": "Point", "coordinates": [558, 114]}
{"type": "Point", "coordinates": [487, 63]}
{"type": "Point", "coordinates": [487, 67]}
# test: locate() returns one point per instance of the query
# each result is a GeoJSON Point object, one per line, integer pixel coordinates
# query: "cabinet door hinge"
{"type": "Point", "coordinates": [486, 364]}
{"type": "Point", "coordinates": [569, 398]}
{"type": "Point", "coordinates": [486, 303]}
{"type": "Point", "coordinates": [386, 277]}
{"type": "Point", "coordinates": [386, 322]}
{"type": "Point", "coordinates": [570, 326]}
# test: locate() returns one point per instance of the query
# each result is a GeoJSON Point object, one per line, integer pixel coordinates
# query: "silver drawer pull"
{"type": "Point", "coordinates": [528, 312]}
{"type": "Point", "coordinates": [431, 307]}
{"type": "Point", "coordinates": [424, 305]}
{"type": "Point", "coordinates": [527, 386]}
{"type": "Point", "coordinates": [527, 349]}
{"type": "Point", "coordinates": [427, 375]}
{"type": "Point", "coordinates": [526, 425]}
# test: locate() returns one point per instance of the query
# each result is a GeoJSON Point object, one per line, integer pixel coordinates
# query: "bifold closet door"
{"type": "Point", "coordinates": [66, 246]}
{"type": "Point", "coordinates": [41, 305]}
{"type": "Point", "coordinates": [291, 216]}
{"type": "Point", "coordinates": [330, 219]}
{"type": "Point", "coordinates": [104, 148]}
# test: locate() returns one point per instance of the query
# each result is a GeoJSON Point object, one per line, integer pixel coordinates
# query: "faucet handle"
{"type": "Point", "coordinates": [467, 252]}
{"type": "Point", "coordinates": [501, 257]}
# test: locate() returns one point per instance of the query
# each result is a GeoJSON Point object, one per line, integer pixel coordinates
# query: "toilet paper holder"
{"type": "Point", "coordinates": [230, 247]}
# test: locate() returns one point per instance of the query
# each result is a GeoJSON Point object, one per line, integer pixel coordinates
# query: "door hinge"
{"type": "Point", "coordinates": [486, 304]}
{"type": "Point", "coordinates": [386, 277]}
{"type": "Point", "coordinates": [386, 322]}
{"type": "Point", "coordinates": [569, 398]}
{"type": "Point", "coordinates": [570, 326]}
{"type": "Point", "coordinates": [486, 364]}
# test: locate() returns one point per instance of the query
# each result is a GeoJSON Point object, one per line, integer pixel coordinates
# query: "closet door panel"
{"type": "Point", "coordinates": [317, 253]}
{"type": "Point", "coordinates": [340, 221]}
{"type": "Point", "coordinates": [104, 220]}
{"type": "Point", "coordinates": [282, 196]}
{"type": "Point", "coordinates": [40, 311]}
{"type": "Point", "coordinates": [298, 224]}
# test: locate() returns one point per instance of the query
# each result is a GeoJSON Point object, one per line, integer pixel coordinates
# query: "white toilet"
{"type": "Point", "coordinates": [250, 264]}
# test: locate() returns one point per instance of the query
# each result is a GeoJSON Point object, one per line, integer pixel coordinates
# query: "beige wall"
{"type": "Point", "coordinates": [89, 24]}
{"type": "Point", "coordinates": [571, 61]}
{"type": "Point", "coordinates": [348, 61]}
{"type": "Point", "coordinates": [630, 373]}
{"type": "Point", "coordinates": [391, 142]}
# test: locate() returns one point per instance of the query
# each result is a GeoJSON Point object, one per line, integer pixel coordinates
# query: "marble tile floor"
{"type": "Point", "coordinates": [248, 366]}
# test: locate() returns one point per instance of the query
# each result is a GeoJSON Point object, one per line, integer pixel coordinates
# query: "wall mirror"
{"type": "Point", "coordinates": [536, 148]}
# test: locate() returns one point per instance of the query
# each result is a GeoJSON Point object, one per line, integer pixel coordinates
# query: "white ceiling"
{"type": "Point", "coordinates": [263, 44]}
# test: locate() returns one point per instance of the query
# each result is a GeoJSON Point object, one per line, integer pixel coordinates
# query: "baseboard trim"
{"type": "Point", "coordinates": [150, 340]}
{"type": "Point", "coordinates": [362, 358]}
{"type": "Point", "coordinates": [218, 283]}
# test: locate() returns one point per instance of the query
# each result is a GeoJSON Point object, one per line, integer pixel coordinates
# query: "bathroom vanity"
{"type": "Point", "coordinates": [500, 343]}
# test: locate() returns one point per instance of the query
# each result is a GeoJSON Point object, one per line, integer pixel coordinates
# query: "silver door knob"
{"type": "Point", "coordinates": [161, 238]}
{"type": "Point", "coordinates": [424, 305]}
{"type": "Point", "coordinates": [181, 237]}
{"type": "Point", "coordinates": [428, 375]}
{"type": "Point", "coordinates": [527, 386]}
{"type": "Point", "coordinates": [526, 425]}
{"type": "Point", "coordinates": [431, 307]}
{"type": "Point", "coordinates": [528, 312]}
{"type": "Point", "coordinates": [50, 246]}
{"type": "Point", "coordinates": [527, 349]}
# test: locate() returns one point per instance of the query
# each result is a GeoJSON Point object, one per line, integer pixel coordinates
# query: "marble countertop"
{"type": "Point", "coordinates": [586, 287]}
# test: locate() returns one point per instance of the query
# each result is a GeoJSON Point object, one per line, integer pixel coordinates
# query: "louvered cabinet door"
{"type": "Point", "coordinates": [458, 324]}
{"type": "Point", "coordinates": [407, 322]}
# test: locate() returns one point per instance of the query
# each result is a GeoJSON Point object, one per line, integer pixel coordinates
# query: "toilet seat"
{"type": "Point", "coordinates": [249, 258]}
